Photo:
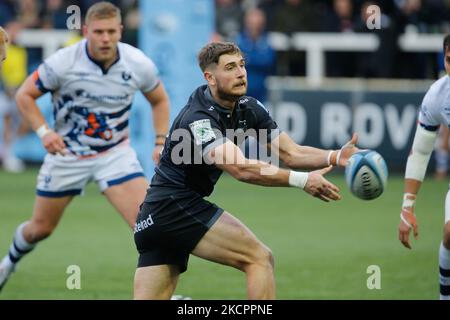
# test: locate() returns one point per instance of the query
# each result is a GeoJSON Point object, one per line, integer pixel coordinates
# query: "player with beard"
{"type": "Point", "coordinates": [175, 220]}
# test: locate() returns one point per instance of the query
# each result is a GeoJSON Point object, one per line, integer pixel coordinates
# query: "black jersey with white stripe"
{"type": "Point", "coordinates": [200, 126]}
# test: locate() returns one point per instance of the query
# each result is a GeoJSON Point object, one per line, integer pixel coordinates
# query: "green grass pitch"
{"type": "Point", "coordinates": [322, 250]}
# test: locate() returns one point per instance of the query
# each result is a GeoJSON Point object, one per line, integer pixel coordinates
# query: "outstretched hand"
{"type": "Point", "coordinates": [347, 151]}
{"type": "Point", "coordinates": [321, 188]}
{"type": "Point", "coordinates": [408, 222]}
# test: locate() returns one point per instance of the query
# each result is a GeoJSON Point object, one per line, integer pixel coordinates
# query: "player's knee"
{"type": "Point", "coordinates": [264, 257]}
{"type": "Point", "coordinates": [446, 239]}
{"type": "Point", "coordinates": [40, 229]}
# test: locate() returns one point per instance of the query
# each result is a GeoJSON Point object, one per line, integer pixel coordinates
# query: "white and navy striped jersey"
{"type": "Point", "coordinates": [91, 106]}
{"type": "Point", "coordinates": [435, 109]}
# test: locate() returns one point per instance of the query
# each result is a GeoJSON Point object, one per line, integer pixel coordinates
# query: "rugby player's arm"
{"type": "Point", "coordinates": [416, 167]}
{"type": "Point", "coordinates": [26, 98]}
{"type": "Point", "coordinates": [228, 157]}
{"type": "Point", "coordinates": [159, 101]}
{"type": "Point", "coordinates": [304, 157]}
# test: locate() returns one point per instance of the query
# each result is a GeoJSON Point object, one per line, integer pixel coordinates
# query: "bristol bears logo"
{"type": "Point", "coordinates": [126, 76]}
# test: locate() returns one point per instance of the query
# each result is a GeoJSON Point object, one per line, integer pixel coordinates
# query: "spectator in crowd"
{"type": "Point", "coordinates": [340, 18]}
{"type": "Point", "coordinates": [228, 18]}
{"type": "Point", "coordinates": [290, 17]}
{"type": "Point", "coordinates": [55, 15]}
{"type": "Point", "coordinates": [259, 55]}
{"type": "Point", "coordinates": [380, 63]}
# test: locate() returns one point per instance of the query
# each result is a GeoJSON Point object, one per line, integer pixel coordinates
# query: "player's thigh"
{"type": "Point", "coordinates": [155, 282]}
{"type": "Point", "coordinates": [121, 178]}
{"type": "Point", "coordinates": [127, 197]}
{"type": "Point", "coordinates": [48, 211]}
{"type": "Point", "coordinates": [230, 242]}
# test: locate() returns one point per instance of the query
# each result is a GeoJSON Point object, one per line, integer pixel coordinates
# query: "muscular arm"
{"type": "Point", "coordinates": [26, 98]}
{"type": "Point", "coordinates": [296, 156]}
{"type": "Point", "coordinates": [303, 157]}
{"type": "Point", "coordinates": [416, 167]}
{"type": "Point", "coordinates": [159, 100]}
{"type": "Point", "coordinates": [229, 157]}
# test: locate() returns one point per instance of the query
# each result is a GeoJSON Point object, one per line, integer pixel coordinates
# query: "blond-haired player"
{"type": "Point", "coordinates": [3, 42]}
{"type": "Point", "coordinates": [92, 84]}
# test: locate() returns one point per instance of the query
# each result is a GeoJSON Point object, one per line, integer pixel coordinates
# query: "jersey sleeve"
{"type": "Point", "coordinates": [148, 74]}
{"type": "Point", "coordinates": [205, 132]}
{"type": "Point", "coordinates": [264, 121]}
{"type": "Point", "coordinates": [429, 116]}
{"type": "Point", "coordinates": [48, 75]}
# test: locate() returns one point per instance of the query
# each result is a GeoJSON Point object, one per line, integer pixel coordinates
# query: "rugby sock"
{"type": "Point", "coordinates": [441, 160]}
{"type": "Point", "coordinates": [444, 272]}
{"type": "Point", "coordinates": [18, 248]}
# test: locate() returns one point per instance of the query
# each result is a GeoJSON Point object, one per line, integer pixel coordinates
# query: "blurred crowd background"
{"type": "Point", "coordinates": [249, 23]}
{"type": "Point", "coordinates": [236, 20]}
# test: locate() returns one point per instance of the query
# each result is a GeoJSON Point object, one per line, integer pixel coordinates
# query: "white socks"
{"type": "Point", "coordinates": [18, 248]}
{"type": "Point", "coordinates": [444, 272]}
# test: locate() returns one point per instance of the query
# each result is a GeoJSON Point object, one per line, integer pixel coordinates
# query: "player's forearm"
{"type": "Point", "coordinates": [306, 158]}
{"type": "Point", "coordinates": [412, 186]}
{"type": "Point", "coordinates": [161, 117]}
{"type": "Point", "coordinates": [263, 174]}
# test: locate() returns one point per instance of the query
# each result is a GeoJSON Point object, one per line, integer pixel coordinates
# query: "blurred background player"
{"type": "Point", "coordinates": [13, 74]}
{"type": "Point", "coordinates": [3, 43]}
{"type": "Point", "coordinates": [92, 83]}
{"type": "Point", "coordinates": [441, 153]}
{"type": "Point", "coordinates": [432, 115]}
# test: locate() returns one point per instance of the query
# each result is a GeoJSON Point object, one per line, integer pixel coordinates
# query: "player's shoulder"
{"type": "Point", "coordinates": [200, 108]}
{"type": "Point", "coordinates": [253, 103]}
{"type": "Point", "coordinates": [442, 84]}
{"type": "Point", "coordinates": [438, 93]}
{"type": "Point", "coordinates": [132, 53]}
{"type": "Point", "coordinates": [70, 52]}
{"type": "Point", "coordinates": [63, 59]}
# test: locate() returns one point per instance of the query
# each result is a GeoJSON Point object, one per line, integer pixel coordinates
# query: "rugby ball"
{"type": "Point", "coordinates": [366, 174]}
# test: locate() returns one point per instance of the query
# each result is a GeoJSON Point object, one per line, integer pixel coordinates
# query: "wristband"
{"type": "Point", "coordinates": [404, 220]}
{"type": "Point", "coordinates": [42, 131]}
{"type": "Point", "coordinates": [409, 200]}
{"type": "Point", "coordinates": [298, 179]}
{"type": "Point", "coordinates": [329, 157]}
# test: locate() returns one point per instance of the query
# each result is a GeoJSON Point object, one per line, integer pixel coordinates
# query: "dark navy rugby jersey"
{"type": "Point", "coordinates": [200, 126]}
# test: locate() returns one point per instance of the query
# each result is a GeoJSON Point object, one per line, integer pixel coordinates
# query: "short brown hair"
{"type": "Point", "coordinates": [447, 43]}
{"type": "Point", "coordinates": [102, 10]}
{"type": "Point", "coordinates": [3, 36]}
{"type": "Point", "coordinates": [211, 53]}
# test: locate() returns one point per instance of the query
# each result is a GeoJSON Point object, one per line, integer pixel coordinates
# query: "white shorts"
{"type": "Point", "coordinates": [62, 176]}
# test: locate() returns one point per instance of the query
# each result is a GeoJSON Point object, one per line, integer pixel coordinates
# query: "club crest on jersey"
{"type": "Point", "coordinates": [202, 131]}
{"type": "Point", "coordinates": [126, 76]}
{"type": "Point", "coordinates": [47, 180]}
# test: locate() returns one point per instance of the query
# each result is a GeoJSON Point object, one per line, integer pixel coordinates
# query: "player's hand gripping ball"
{"type": "Point", "coordinates": [366, 174]}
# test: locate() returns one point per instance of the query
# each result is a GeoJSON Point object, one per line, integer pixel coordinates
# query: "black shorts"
{"type": "Point", "coordinates": [170, 224]}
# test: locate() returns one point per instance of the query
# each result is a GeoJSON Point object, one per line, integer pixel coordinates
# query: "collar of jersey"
{"type": "Point", "coordinates": [104, 71]}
